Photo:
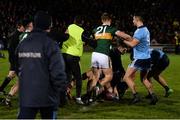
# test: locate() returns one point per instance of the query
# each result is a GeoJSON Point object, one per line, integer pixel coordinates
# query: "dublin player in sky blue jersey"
{"type": "Point", "coordinates": [140, 43]}
{"type": "Point", "coordinates": [159, 62]}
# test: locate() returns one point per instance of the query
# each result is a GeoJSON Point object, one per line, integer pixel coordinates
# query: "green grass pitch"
{"type": "Point", "coordinates": [168, 108]}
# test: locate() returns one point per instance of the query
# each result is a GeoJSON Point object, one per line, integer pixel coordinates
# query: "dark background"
{"type": "Point", "coordinates": [161, 15]}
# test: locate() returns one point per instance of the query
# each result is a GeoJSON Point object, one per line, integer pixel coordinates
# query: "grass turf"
{"type": "Point", "coordinates": [168, 108]}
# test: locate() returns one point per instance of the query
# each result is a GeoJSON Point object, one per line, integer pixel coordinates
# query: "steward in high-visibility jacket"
{"type": "Point", "coordinates": [177, 46]}
{"type": "Point", "coordinates": [74, 45]}
{"type": "Point", "coordinates": [72, 50]}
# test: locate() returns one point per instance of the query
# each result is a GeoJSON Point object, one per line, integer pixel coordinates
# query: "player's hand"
{"type": "Point", "coordinates": [124, 36]}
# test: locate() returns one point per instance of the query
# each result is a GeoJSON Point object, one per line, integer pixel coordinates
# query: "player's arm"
{"type": "Point", "coordinates": [123, 35]}
{"type": "Point", "coordinates": [131, 43]}
{"type": "Point", "coordinates": [88, 39]}
{"type": "Point", "coordinates": [16, 60]}
{"type": "Point", "coordinates": [128, 40]}
{"type": "Point", "coordinates": [58, 36]}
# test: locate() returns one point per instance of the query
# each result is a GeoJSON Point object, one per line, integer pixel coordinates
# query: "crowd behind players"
{"type": "Point", "coordinates": [162, 16]}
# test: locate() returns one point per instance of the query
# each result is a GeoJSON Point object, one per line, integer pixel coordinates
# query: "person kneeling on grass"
{"type": "Point", "coordinates": [159, 62]}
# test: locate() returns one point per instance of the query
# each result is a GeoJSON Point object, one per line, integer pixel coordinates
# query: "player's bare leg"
{"type": "Point", "coordinates": [109, 87]}
{"type": "Point", "coordinates": [164, 84]}
{"type": "Point", "coordinates": [6, 81]}
{"type": "Point", "coordinates": [149, 87]}
{"type": "Point", "coordinates": [14, 89]}
{"type": "Point", "coordinates": [96, 74]}
{"type": "Point", "coordinates": [104, 81]}
{"type": "Point", "coordinates": [160, 80]}
{"type": "Point", "coordinates": [69, 89]}
{"type": "Point", "coordinates": [12, 92]}
{"type": "Point", "coordinates": [129, 79]}
{"type": "Point", "coordinates": [108, 76]}
{"type": "Point", "coordinates": [146, 82]}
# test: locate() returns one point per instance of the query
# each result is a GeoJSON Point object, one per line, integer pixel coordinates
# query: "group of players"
{"type": "Point", "coordinates": [107, 78]}
{"type": "Point", "coordinates": [107, 75]}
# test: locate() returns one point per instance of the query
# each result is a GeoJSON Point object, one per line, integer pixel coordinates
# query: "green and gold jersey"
{"type": "Point", "coordinates": [104, 35]}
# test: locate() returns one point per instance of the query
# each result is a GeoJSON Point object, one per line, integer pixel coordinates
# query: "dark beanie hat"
{"type": "Point", "coordinates": [27, 21]}
{"type": "Point", "coordinates": [42, 20]}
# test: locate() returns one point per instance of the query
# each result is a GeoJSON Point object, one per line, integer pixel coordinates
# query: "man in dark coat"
{"type": "Point", "coordinates": [41, 71]}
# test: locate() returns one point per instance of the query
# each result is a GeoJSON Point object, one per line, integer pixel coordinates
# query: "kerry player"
{"type": "Point", "coordinates": [100, 61]}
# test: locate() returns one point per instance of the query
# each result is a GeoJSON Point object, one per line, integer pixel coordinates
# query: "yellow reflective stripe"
{"type": "Point", "coordinates": [103, 36]}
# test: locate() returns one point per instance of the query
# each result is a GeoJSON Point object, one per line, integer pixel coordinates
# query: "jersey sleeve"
{"type": "Point", "coordinates": [94, 30]}
{"type": "Point", "coordinates": [138, 35]}
{"type": "Point", "coordinates": [114, 30]}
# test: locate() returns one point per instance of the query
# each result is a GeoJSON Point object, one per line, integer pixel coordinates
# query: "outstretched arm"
{"type": "Point", "coordinates": [128, 40]}
{"type": "Point", "coordinates": [131, 43]}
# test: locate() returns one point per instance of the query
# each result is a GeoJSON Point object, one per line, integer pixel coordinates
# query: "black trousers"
{"type": "Point", "coordinates": [30, 112]}
{"type": "Point", "coordinates": [73, 69]}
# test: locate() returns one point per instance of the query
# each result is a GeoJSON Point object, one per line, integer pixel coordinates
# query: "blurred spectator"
{"type": "Point", "coordinates": [177, 40]}
{"type": "Point", "coordinates": [154, 42]}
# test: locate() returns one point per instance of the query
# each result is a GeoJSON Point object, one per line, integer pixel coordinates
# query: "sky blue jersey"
{"type": "Point", "coordinates": [142, 50]}
{"type": "Point", "coordinates": [161, 53]}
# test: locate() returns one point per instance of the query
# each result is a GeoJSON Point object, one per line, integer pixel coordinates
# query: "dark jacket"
{"type": "Point", "coordinates": [41, 71]}
{"type": "Point", "coordinates": [158, 59]}
{"type": "Point", "coordinates": [12, 45]}
{"type": "Point", "coordinates": [58, 36]}
{"type": "Point", "coordinates": [117, 66]}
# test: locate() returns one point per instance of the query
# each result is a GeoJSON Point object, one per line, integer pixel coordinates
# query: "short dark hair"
{"type": "Point", "coordinates": [106, 16]}
{"type": "Point", "coordinates": [19, 23]}
{"type": "Point", "coordinates": [140, 16]}
{"type": "Point", "coordinates": [27, 21]}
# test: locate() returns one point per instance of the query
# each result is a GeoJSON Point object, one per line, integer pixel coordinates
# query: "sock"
{"type": "Point", "coordinates": [166, 88]}
{"type": "Point", "coordinates": [5, 83]}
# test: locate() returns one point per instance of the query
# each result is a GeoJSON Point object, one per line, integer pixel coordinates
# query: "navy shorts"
{"type": "Point", "coordinates": [141, 64]}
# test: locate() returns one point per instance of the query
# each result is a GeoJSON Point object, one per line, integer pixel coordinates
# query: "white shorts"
{"type": "Point", "coordinates": [99, 60]}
